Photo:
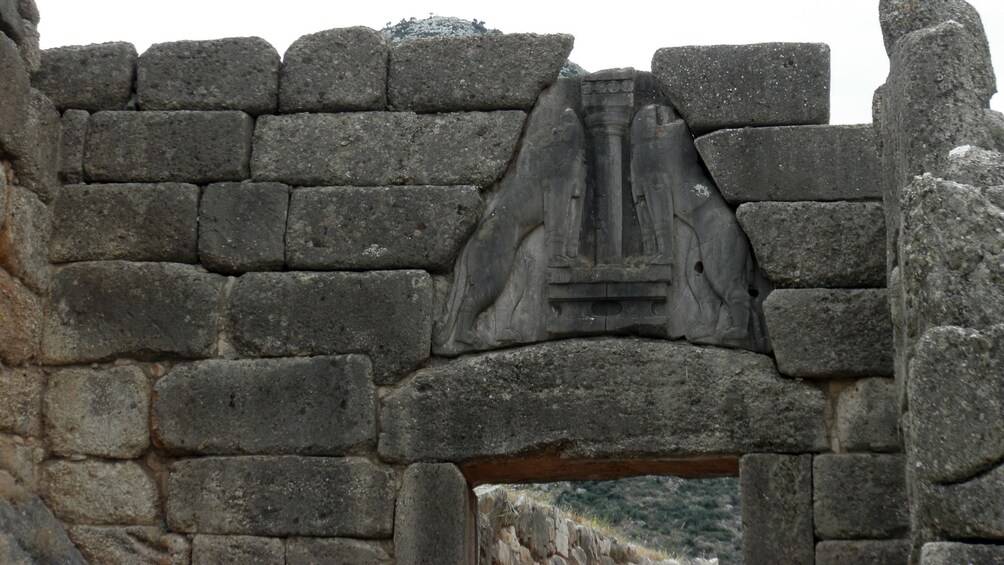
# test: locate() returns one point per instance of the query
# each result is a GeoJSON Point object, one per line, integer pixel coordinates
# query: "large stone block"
{"type": "Point", "coordinates": [11, 22]}
{"type": "Point", "coordinates": [237, 73]}
{"type": "Point", "coordinates": [434, 522]}
{"type": "Point", "coordinates": [131, 544]}
{"type": "Point", "coordinates": [656, 398]}
{"type": "Point", "coordinates": [389, 227]}
{"type": "Point", "coordinates": [794, 163]}
{"type": "Point", "coordinates": [776, 504]}
{"type": "Point", "coordinates": [860, 496]}
{"type": "Point", "coordinates": [281, 496]}
{"type": "Point", "coordinates": [29, 531]}
{"type": "Point", "coordinates": [309, 406]}
{"type": "Point", "coordinates": [730, 86]}
{"type": "Point", "coordinates": [24, 239]}
{"type": "Point", "coordinates": [133, 222]}
{"type": "Point", "coordinates": [385, 148]}
{"type": "Point", "coordinates": [20, 321]}
{"type": "Point", "coordinates": [242, 226]}
{"type": "Point", "coordinates": [963, 510]}
{"type": "Point", "coordinates": [879, 552]}
{"type": "Point", "coordinates": [335, 70]}
{"type": "Point", "coordinates": [817, 244]}
{"type": "Point", "coordinates": [953, 553]}
{"type": "Point", "coordinates": [72, 135]}
{"type": "Point", "coordinates": [385, 314]}
{"type": "Point", "coordinates": [100, 493]}
{"type": "Point", "coordinates": [36, 148]}
{"type": "Point", "coordinates": [334, 551]}
{"type": "Point", "coordinates": [21, 401]}
{"type": "Point", "coordinates": [475, 72]}
{"type": "Point", "coordinates": [975, 166]}
{"type": "Point", "coordinates": [29, 10]}
{"type": "Point", "coordinates": [88, 77]}
{"type": "Point", "coordinates": [14, 95]}
{"type": "Point", "coordinates": [197, 147]}
{"type": "Point", "coordinates": [250, 550]}
{"type": "Point", "coordinates": [820, 333]}
{"type": "Point", "coordinates": [868, 416]}
{"type": "Point", "coordinates": [109, 309]}
{"type": "Point", "coordinates": [100, 412]}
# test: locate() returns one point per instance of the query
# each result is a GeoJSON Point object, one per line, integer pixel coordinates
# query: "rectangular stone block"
{"type": "Point", "coordinates": [242, 226]}
{"type": "Point", "coordinates": [132, 222]}
{"type": "Point", "coordinates": [237, 73]}
{"type": "Point", "coordinates": [476, 72]}
{"type": "Point", "coordinates": [20, 321]}
{"type": "Point", "coordinates": [131, 544]}
{"type": "Point", "coordinates": [281, 496]}
{"type": "Point", "coordinates": [334, 551]}
{"type": "Point", "coordinates": [197, 147]}
{"type": "Point", "coordinates": [14, 96]}
{"type": "Point", "coordinates": [100, 493]}
{"type": "Point", "coordinates": [385, 314]}
{"type": "Point", "coordinates": [776, 505]}
{"type": "Point", "coordinates": [733, 86]}
{"type": "Point", "coordinates": [72, 135]}
{"type": "Point", "coordinates": [385, 148]}
{"type": "Point", "coordinates": [839, 333]}
{"type": "Point", "coordinates": [435, 521]}
{"type": "Point", "coordinates": [891, 552]}
{"type": "Point", "coordinates": [21, 401]}
{"type": "Point", "coordinates": [817, 244]}
{"type": "Point", "coordinates": [88, 77]}
{"type": "Point", "coordinates": [308, 406]}
{"type": "Point", "coordinates": [949, 553]}
{"type": "Point", "coordinates": [860, 496]}
{"type": "Point", "coordinates": [794, 163]}
{"type": "Point", "coordinates": [388, 227]}
{"type": "Point", "coordinates": [213, 550]}
{"type": "Point", "coordinates": [99, 412]}
{"type": "Point", "coordinates": [961, 510]}
{"type": "Point", "coordinates": [36, 148]}
{"type": "Point", "coordinates": [103, 310]}
{"type": "Point", "coordinates": [24, 239]}
{"type": "Point", "coordinates": [868, 416]}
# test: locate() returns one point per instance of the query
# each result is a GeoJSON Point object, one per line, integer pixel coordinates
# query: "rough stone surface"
{"type": "Point", "coordinates": [21, 401]}
{"type": "Point", "coordinates": [281, 496]}
{"type": "Point", "coordinates": [20, 321]}
{"type": "Point", "coordinates": [73, 134]}
{"type": "Point", "coordinates": [14, 96]}
{"type": "Point", "coordinates": [333, 551]}
{"type": "Point", "coordinates": [860, 496]}
{"type": "Point", "coordinates": [242, 226]}
{"type": "Point", "coordinates": [133, 222]}
{"type": "Point", "coordinates": [88, 77]}
{"type": "Point", "coordinates": [212, 550]}
{"type": "Point", "coordinates": [11, 22]}
{"type": "Point", "coordinates": [729, 86]}
{"type": "Point", "coordinates": [36, 148]}
{"type": "Point", "coordinates": [776, 504]}
{"type": "Point", "coordinates": [868, 416]}
{"type": "Point", "coordinates": [131, 544]}
{"type": "Point", "coordinates": [28, 530]}
{"type": "Point", "coordinates": [655, 397]}
{"type": "Point", "coordinates": [389, 227]}
{"type": "Point", "coordinates": [29, 10]}
{"type": "Point", "coordinates": [975, 166]}
{"type": "Point", "coordinates": [335, 70]}
{"type": "Point", "coordinates": [385, 148]}
{"type": "Point", "coordinates": [21, 457]}
{"type": "Point", "coordinates": [237, 73]}
{"type": "Point", "coordinates": [31, 52]}
{"type": "Point", "coordinates": [385, 314]}
{"type": "Point", "coordinates": [830, 333]}
{"type": "Point", "coordinates": [840, 244]}
{"type": "Point", "coordinates": [310, 406]}
{"type": "Point", "coordinates": [434, 522]}
{"type": "Point", "coordinates": [950, 553]}
{"type": "Point", "coordinates": [891, 552]}
{"type": "Point", "coordinates": [794, 163]}
{"type": "Point", "coordinates": [961, 511]}
{"type": "Point", "coordinates": [198, 147]}
{"type": "Point", "coordinates": [475, 72]}
{"type": "Point", "coordinates": [100, 493]}
{"type": "Point", "coordinates": [101, 412]}
{"type": "Point", "coordinates": [108, 309]}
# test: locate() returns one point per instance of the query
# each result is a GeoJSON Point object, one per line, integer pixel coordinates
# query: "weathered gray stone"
{"type": "Point", "coordinates": [133, 222]}
{"type": "Point", "coordinates": [29, 10]}
{"type": "Point", "coordinates": [31, 51]}
{"type": "Point", "coordinates": [131, 544]}
{"type": "Point", "coordinates": [975, 166]}
{"type": "Point", "coordinates": [88, 77]}
{"type": "Point", "coordinates": [335, 70]}
{"type": "Point", "coordinates": [242, 226]}
{"type": "Point", "coordinates": [868, 416]}
{"type": "Point", "coordinates": [884, 552]}
{"type": "Point", "coordinates": [859, 496]}
{"type": "Point", "coordinates": [21, 401]}
{"type": "Point", "coordinates": [838, 333]}
{"type": "Point", "coordinates": [11, 22]}
{"type": "Point", "coordinates": [390, 227]}
{"type": "Point", "coordinates": [434, 522]}
{"type": "Point", "coordinates": [102, 412]}
{"type": "Point", "coordinates": [840, 244]}
{"type": "Point", "coordinates": [794, 163]}
{"type": "Point", "coordinates": [776, 504]}
{"type": "Point", "coordinates": [281, 496]}
{"type": "Point", "coordinates": [20, 457]}
{"type": "Point", "coordinates": [14, 96]}
{"type": "Point", "coordinates": [385, 314]}
{"type": "Point", "coordinates": [212, 550]}
{"type": "Point", "coordinates": [532, 529]}
{"type": "Point", "coordinates": [474, 72]}
{"type": "Point", "coordinates": [333, 551]}
{"type": "Point", "coordinates": [36, 148]}
{"type": "Point", "coordinates": [964, 510]}
{"type": "Point", "coordinates": [29, 529]}
{"type": "Point", "coordinates": [20, 321]}
{"type": "Point", "coordinates": [952, 553]}
{"type": "Point", "coordinates": [108, 309]}
{"type": "Point", "coordinates": [24, 239]}
{"type": "Point", "coordinates": [100, 493]}
{"type": "Point", "coordinates": [237, 73]}
{"type": "Point", "coordinates": [183, 146]}
{"type": "Point", "coordinates": [309, 406]}
{"type": "Point", "coordinates": [385, 148]}
{"type": "Point", "coordinates": [728, 86]}
{"type": "Point", "coordinates": [655, 397]}
{"type": "Point", "coordinates": [73, 133]}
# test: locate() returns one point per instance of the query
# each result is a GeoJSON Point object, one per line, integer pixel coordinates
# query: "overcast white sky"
{"type": "Point", "coordinates": [624, 35]}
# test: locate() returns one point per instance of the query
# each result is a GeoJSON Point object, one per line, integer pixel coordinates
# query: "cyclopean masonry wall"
{"type": "Point", "coordinates": [276, 287]}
